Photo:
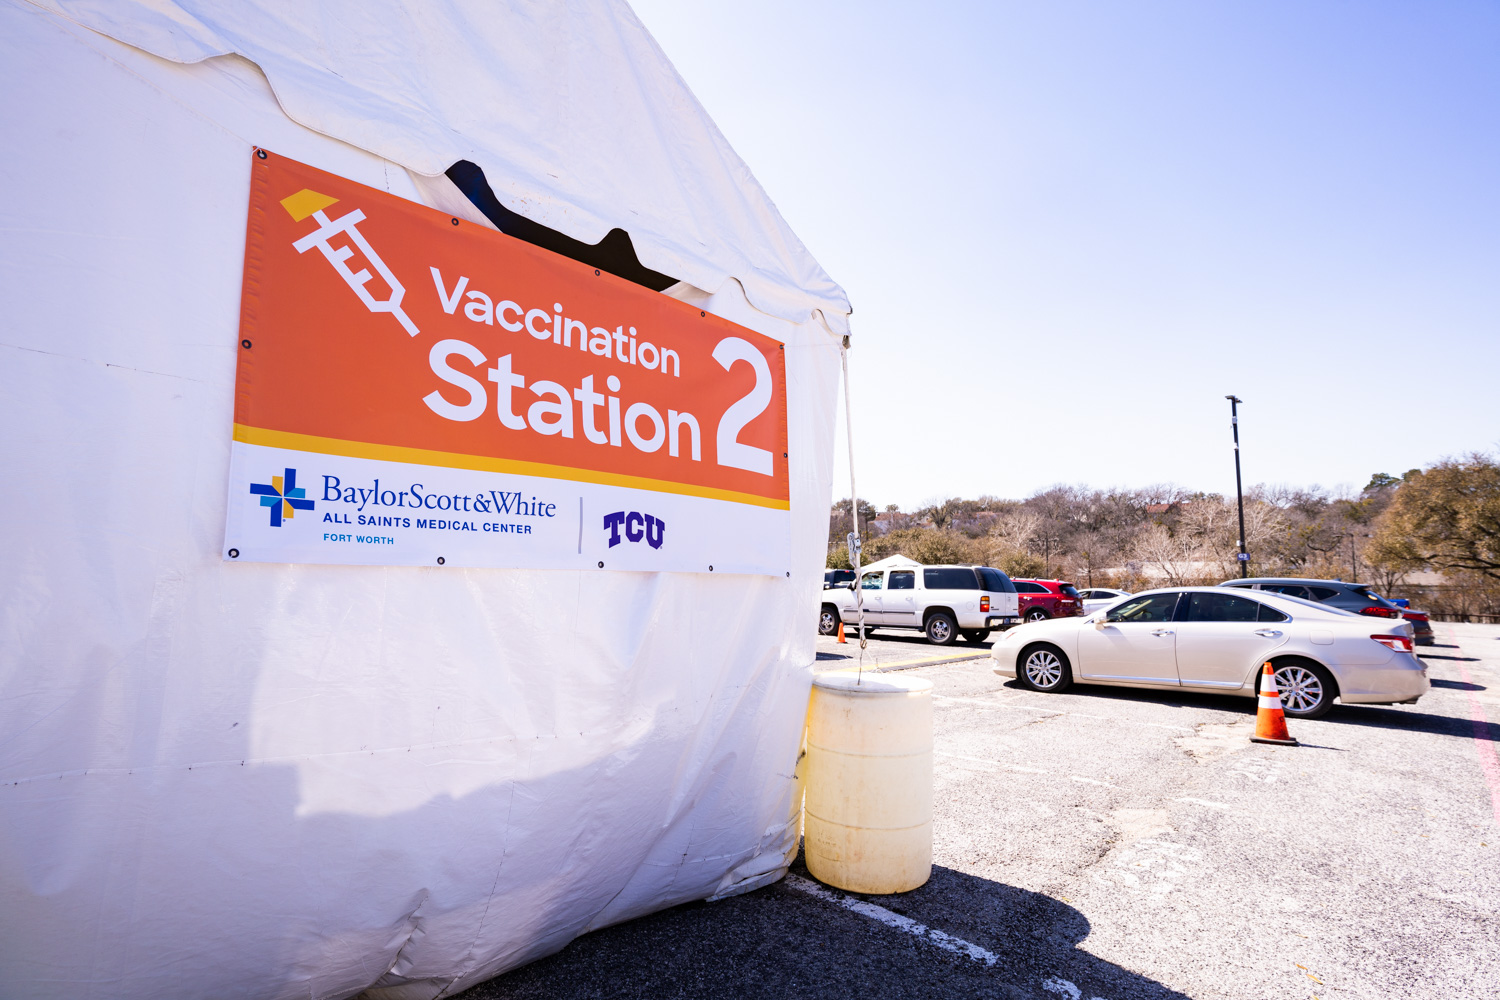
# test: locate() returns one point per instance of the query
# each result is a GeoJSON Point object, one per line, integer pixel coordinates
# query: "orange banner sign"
{"type": "Point", "coordinates": [415, 389]}
{"type": "Point", "coordinates": [378, 328]}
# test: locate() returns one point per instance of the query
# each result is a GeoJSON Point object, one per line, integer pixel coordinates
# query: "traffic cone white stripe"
{"type": "Point", "coordinates": [1272, 700]}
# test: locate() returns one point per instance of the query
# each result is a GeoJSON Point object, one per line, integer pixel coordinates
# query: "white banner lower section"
{"type": "Point", "coordinates": [304, 507]}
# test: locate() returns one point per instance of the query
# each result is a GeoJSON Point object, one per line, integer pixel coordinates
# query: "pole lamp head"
{"type": "Point", "coordinates": [1234, 399]}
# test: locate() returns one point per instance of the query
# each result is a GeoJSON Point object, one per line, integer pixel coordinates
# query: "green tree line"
{"type": "Point", "coordinates": [1444, 518]}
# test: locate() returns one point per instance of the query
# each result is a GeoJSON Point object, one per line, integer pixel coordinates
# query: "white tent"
{"type": "Point", "coordinates": [273, 780]}
{"type": "Point", "coordinates": [897, 561]}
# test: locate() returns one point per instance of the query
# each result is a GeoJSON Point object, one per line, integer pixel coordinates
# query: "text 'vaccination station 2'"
{"type": "Point", "coordinates": [415, 389]}
{"type": "Point", "coordinates": [420, 390]}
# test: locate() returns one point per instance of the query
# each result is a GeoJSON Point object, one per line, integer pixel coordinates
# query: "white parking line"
{"type": "Point", "coordinates": [1091, 781]}
{"type": "Point", "coordinates": [867, 909]}
{"type": "Point", "coordinates": [990, 703]}
{"type": "Point", "coordinates": [1067, 989]}
{"type": "Point", "coordinates": [993, 763]}
{"type": "Point", "coordinates": [987, 703]}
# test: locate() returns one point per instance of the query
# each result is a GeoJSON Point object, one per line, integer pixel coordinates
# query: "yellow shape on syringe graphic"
{"type": "Point", "coordinates": [307, 202]}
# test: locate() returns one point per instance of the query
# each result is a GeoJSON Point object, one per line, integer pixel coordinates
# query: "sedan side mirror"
{"type": "Point", "coordinates": [1101, 622]}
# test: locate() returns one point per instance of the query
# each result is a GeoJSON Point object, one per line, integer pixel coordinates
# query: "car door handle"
{"type": "Point", "coordinates": [1268, 633]}
{"type": "Point", "coordinates": [1163, 631]}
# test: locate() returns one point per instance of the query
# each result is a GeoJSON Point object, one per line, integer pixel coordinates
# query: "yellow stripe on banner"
{"type": "Point", "coordinates": [480, 463]}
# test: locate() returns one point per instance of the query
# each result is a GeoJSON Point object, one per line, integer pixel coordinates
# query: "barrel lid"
{"type": "Point", "coordinates": [850, 682]}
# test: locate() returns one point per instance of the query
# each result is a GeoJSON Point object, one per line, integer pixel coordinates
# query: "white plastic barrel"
{"type": "Point", "coordinates": [867, 823]}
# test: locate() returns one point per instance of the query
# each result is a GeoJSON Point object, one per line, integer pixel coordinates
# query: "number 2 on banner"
{"type": "Point", "coordinates": [730, 451]}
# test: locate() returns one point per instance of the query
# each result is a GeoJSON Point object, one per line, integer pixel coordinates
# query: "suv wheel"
{"type": "Point", "coordinates": [975, 634]}
{"type": "Point", "coordinates": [1037, 615]}
{"type": "Point", "coordinates": [828, 621]}
{"type": "Point", "coordinates": [941, 629]}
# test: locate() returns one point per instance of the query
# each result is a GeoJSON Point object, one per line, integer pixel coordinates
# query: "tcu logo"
{"type": "Point", "coordinates": [637, 526]}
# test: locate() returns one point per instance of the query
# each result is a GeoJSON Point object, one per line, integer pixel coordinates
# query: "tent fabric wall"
{"type": "Point", "coordinates": [291, 781]}
{"type": "Point", "coordinates": [575, 115]}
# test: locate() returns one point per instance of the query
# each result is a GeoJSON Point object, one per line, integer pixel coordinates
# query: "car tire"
{"type": "Point", "coordinates": [1045, 668]}
{"type": "Point", "coordinates": [828, 620]}
{"type": "Point", "coordinates": [1307, 689]}
{"type": "Point", "coordinates": [941, 629]}
{"type": "Point", "coordinates": [975, 634]}
{"type": "Point", "coordinates": [1037, 615]}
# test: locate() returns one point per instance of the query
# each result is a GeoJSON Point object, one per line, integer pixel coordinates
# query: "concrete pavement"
{"type": "Point", "coordinates": [1114, 843]}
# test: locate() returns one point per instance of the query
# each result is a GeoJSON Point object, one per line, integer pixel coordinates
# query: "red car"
{"type": "Point", "coordinates": [1047, 599]}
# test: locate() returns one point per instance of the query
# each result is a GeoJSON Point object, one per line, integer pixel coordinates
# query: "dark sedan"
{"type": "Point", "coordinates": [1355, 597]}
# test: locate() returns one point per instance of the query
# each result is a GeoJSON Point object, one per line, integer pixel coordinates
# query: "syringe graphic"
{"type": "Point", "coordinates": [338, 256]}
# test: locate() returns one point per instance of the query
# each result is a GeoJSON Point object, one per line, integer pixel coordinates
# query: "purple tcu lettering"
{"type": "Point", "coordinates": [637, 527]}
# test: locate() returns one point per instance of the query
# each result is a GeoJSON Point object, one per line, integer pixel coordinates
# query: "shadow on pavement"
{"type": "Point", "coordinates": [1176, 699]}
{"type": "Point", "coordinates": [779, 942]}
{"type": "Point", "coordinates": [913, 638]}
{"type": "Point", "coordinates": [1417, 722]}
{"type": "Point", "coordinates": [1438, 682]}
{"type": "Point", "coordinates": [1379, 716]}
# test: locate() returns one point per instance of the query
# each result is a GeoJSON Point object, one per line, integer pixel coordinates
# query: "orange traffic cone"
{"type": "Point", "coordinates": [841, 633]}
{"type": "Point", "coordinates": [1270, 719]}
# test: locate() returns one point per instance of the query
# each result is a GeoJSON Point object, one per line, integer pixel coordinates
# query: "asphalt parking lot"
{"type": "Point", "coordinates": [1108, 843]}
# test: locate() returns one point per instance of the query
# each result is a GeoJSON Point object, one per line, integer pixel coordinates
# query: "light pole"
{"type": "Point", "coordinates": [1353, 558]}
{"type": "Point", "coordinates": [1239, 490]}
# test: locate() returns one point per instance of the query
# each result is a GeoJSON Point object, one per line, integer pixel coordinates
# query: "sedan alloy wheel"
{"type": "Point", "coordinates": [1045, 670]}
{"type": "Point", "coordinates": [1303, 692]}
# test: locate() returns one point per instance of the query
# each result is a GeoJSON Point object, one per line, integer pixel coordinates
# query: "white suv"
{"type": "Point", "coordinates": [942, 601]}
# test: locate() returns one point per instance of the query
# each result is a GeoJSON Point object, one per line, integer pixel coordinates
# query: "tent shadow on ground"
{"type": "Point", "coordinates": [780, 942]}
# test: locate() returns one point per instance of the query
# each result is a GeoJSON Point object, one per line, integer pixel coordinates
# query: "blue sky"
{"type": "Point", "coordinates": [1069, 229]}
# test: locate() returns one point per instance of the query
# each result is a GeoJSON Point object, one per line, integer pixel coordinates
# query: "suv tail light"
{"type": "Point", "coordinates": [1400, 643]}
{"type": "Point", "coordinates": [984, 603]}
{"type": "Point", "coordinates": [1414, 616]}
{"type": "Point", "coordinates": [1375, 611]}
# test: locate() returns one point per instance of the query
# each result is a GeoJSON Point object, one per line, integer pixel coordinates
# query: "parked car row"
{"type": "Point", "coordinates": [923, 602]}
{"type": "Point", "coordinates": [1214, 640]}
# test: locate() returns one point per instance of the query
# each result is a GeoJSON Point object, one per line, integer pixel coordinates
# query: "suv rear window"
{"type": "Point", "coordinates": [995, 581]}
{"type": "Point", "coordinates": [1068, 590]}
{"type": "Point", "coordinates": [950, 578]}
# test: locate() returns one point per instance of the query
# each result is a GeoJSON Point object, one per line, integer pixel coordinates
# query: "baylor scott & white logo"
{"type": "Point", "coordinates": [283, 496]}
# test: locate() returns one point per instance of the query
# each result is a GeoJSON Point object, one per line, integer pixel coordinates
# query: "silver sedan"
{"type": "Point", "coordinates": [1101, 597]}
{"type": "Point", "coordinates": [1204, 639]}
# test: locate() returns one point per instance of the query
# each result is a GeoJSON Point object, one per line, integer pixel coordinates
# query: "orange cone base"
{"type": "Point", "coordinates": [1288, 742]}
